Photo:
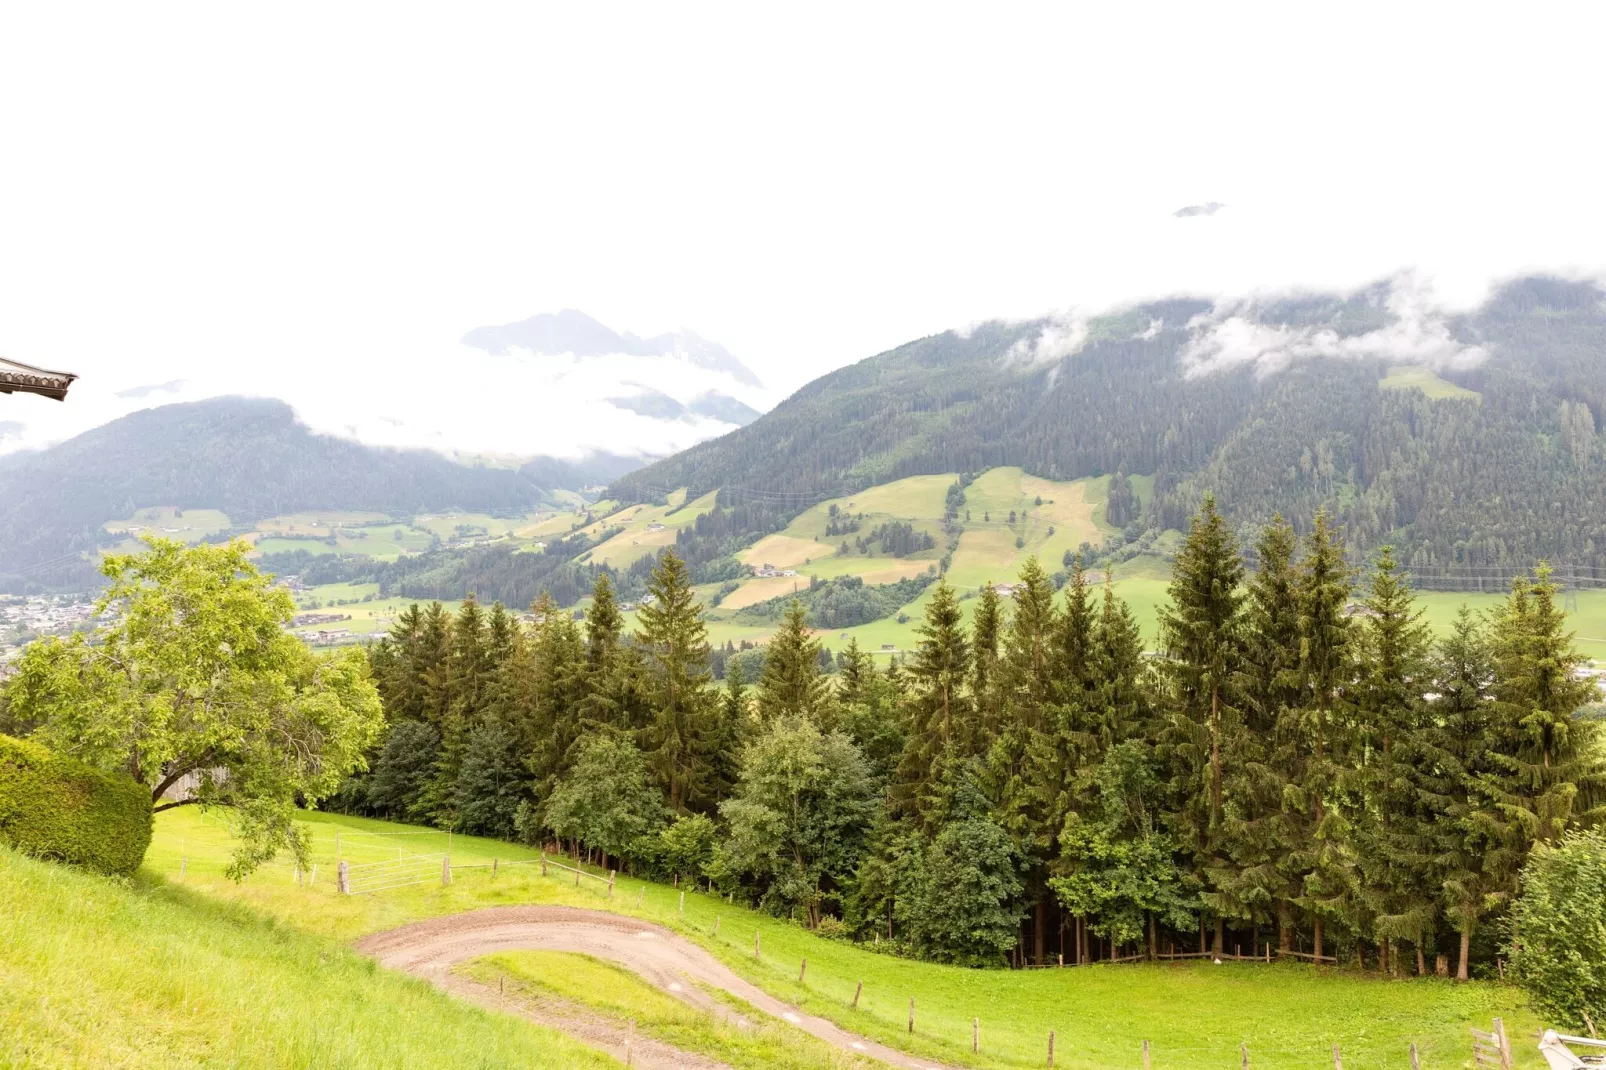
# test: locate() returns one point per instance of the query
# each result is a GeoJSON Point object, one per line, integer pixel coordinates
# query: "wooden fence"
{"type": "Point", "coordinates": [391, 873]}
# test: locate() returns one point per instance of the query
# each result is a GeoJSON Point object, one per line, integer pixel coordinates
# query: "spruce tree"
{"type": "Point", "coordinates": [791, 684]}
{"type": "Point", "coordinates": [1258, 876]}
{"type": "Point", "coordinates": [1324, 845]}
{"type": "Point", "coordinates": [680, 741]}
{"type": "Point", "coordinates": [1550, 772]}
{"type": "Point", "coordinates": [1454, 747]}
{"type": "Point", "coordinates": [1391, 818]}
{"type": "Point", "coordinates": [1202, 651]}
{"type": "Point", "coordinates": [985, 633]}
{"type": "Point", "coordinates": [938, 713]}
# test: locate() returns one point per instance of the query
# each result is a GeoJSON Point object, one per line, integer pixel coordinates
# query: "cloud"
{"type": "Point", "coordinates": [1208, 208]}
{"type": "Point", "coordinates": [1417, 333]}
{"type": "Point", "coordinates": [12, 429]}
{"type": "Point", "coordinates": [1062, 335]}
{"type": "Point", "coordinates": [171, 387]}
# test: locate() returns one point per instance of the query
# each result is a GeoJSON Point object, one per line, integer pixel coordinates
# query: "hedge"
{"type": "Point", "coordinates": [58, 808]}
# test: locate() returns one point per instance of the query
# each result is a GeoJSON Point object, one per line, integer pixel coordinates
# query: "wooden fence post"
{"type": "Point", "coordinates": [1243, 1051]}
{"type": "Point", "coordinates": [683, 904]}
{"type": "Point", "coordinates": [1051, 1047]}
{"type": "Point", "coordinates": [611, 873]}
{"type": "Point", "coordinates": [911, 1014]}
{"type": "Point", "coordinates": [342, 882]}
{"type": "Point", "coordinates": [577, 873]}
{"type": "Point", "coordinates": [1505, 1045]}
{"type": "Point", "coordinates": [183, 864]}
{"type": "Point", "coordinates": [975, 1035]}
{"type": "Point", "coordinates": [314, 878]}
{"type": "Point", "coordinates": [543, 863]}
{"type": "Point", "coordinates": [1338, 1060]}
{"type": "Point", "coordinates": [857, 992]}
{"type": "Point", "coordinates": [801, 970]}
{"type": "Point", "coordinates": [1415, 1064]}
{"type": "Point", "coordinates": [639, 893]}
{"type": "Point", "coordinates": [755, 943]}
{"type": "Point", "coordinates": [716, 924]}
{"type": "Point", "coordinates": [1145, 1055]}
{"type": "Point", "coordinates": [493, 868]}
{"type": "Point", "coordinates": [446, 870]}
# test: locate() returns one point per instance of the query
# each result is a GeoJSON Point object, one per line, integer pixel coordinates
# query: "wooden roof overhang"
{"type": "Point", "coordinates": [16, 376]}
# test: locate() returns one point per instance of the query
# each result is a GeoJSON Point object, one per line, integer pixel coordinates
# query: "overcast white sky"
{"type": "Point", "coordinates": [299, 200]}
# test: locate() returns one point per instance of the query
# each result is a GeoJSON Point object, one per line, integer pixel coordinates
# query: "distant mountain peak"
{"type": "Point", "coordinates": [573, 333]}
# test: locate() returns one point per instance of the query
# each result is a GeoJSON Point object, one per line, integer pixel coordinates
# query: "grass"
{"type": "Point", "coordinates": [620, 994]}
{"type": "Point", "coordinates": [1194, 1014]}
{"type": "Point", "coordinates": [188, 525]}
{"type": "Point", "coordinates": [97, 973]}
{"type": "Point", "coordinates": [647, 528]}
{"type": "Point", "coordinates": [1417, 377]}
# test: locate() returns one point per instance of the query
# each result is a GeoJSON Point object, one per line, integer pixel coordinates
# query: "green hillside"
{"type": "Point", "coordinates": [1193, 1014]}
{"type": "Point", "coordinates": [100, 973]}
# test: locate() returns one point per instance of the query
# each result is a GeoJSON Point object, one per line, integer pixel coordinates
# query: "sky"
{"type": "Point", "coordinates": [316, 201]}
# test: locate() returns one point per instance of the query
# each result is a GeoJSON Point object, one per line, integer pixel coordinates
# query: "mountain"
{"type": "Point", "coordinates": [247, 457]}
{"type": "Point", "coordinates": [573, 333]}
{"type": "Point", "coordinates": [1468, 440]}
{"type": "Point", "coordinates": [723, 407]}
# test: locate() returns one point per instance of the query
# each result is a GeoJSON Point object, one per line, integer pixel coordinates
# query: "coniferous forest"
{"type": "Point", "coordinates": [1299, 764]}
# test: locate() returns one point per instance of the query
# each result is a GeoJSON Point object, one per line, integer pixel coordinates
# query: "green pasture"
{"type": "Point", "coordinates": [1194, 1015]}
{"type": "Point", "coordinates": [636, 540]}
{"type": "Point", "coordinates": [1417, 377]}
{"type": "Point", "coordinates": [168, 522]}
{"type": "Point", "coordinates": [446, 525]}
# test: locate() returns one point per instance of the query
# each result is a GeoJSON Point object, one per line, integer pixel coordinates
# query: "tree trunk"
{"type": "Point", "coordinates": [1384, 965]}
{"type": "Point", "coordinates": [1285, 926]}
{"type": "Point", "coordinates": [1421, 962]}
{"type": "Point", "coordinates": [1221, 935]}
{"type": "Point", "coordinates": [1040, 932]}
{"type": "Point", "coordinates": [1317, 945]}
{"type": "Point", "coordinates": [1466, 950]}
{"type": "Point", "coordinates": [1202, 948]}
{"type": "Point", "coordinates": [1153, 942]}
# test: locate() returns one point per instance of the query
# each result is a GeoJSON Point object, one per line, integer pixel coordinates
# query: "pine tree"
{"type": "Point", "coordinates": [791, 685]}
{"type": "Point", "coordinates": [1454, 746]}
{"type": "Point", "coordinates": [1202, 646]}
{"type": "Point", "coordinates": [1258, 876]}
{"type": "Point", "coordinates": [550, 676]}
{"type": "Point", "coordinates": [1550, 773]}
{"type": "Point", "coordinates": [856, 674]}
{"type": "Point", "coordinates": [611, 698]}
{"type": "Point", "coordinates": [680, 741]}
{"type": "Point", "coordinates": [938, 713]}
{"type": "Point", "coordinates": [1325, 845]}
{"type": "Point", "coordinates": [985, 626]}
{"type": "Point", "coordinates": [1392, 824]}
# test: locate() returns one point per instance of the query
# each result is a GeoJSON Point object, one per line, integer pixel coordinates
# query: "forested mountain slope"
{"type": "Point", "coordinates": [245, 456]}
{"type": "Point", "coordinates": [1469, 439]}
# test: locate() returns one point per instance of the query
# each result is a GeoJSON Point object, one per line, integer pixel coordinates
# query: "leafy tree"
{"type": "Point", "coordinates": [605, 801]}
{"type": "Point", "coordinates": [798, 817]}
{"type": "Point", "coordinates": [1558, 938]}
{"type": "Point", "coordinates": [959, 901]}
{"type": "Point", "coordinates": [685, 846]}
{"type": "Point", "coordinates": [194, 674]}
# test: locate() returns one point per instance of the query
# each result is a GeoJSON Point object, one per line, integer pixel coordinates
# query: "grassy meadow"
{"type": "Point", "coordinates": [1193, 1014]}
{"type": "Point", "coordinates": [97, 972]}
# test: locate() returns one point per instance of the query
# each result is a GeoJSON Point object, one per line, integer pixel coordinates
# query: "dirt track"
{"type": "Point", "coordinates": [431, 948]}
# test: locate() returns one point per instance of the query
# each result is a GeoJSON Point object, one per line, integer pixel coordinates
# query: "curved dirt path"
{"type": "Point", "coordinates": [431, 948]}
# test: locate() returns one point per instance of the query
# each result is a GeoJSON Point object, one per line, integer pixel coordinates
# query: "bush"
{"type": "Point", "coordinates": [58, 808]}
{"type": "Point", "coordinates": [1558, 929]}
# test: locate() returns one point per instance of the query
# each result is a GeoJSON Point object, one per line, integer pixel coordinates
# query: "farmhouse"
{"type": "Point", "coordinates": [769, 571]}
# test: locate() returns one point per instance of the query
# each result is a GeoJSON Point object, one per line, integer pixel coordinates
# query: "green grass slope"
{"type": "Point", "coordinates": [1193, 1014]}
{"type": "Point", "coordinates": [100, 973]}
